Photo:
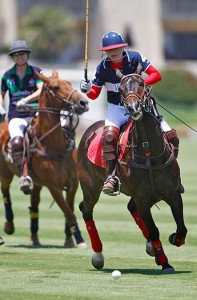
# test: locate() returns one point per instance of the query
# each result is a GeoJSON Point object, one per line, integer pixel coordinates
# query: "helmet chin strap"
{"type": "Point", "coordinates": [109, 59]}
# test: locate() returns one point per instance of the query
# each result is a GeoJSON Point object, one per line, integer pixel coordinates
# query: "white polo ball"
{"type": "Point", "coordinates": [116, 274]}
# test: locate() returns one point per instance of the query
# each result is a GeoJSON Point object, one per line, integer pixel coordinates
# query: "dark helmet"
{"type": "Point", "coordinates": [19, 46]}
{"type": "Point", "coordinates": [112, 40]}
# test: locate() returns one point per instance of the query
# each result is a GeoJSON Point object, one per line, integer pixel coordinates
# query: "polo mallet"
{"type": "Point", "coordinates": [86, 42]}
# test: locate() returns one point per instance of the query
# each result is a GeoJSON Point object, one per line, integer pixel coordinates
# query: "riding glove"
{"type": "Point", "coordinates": [21, 102]}
{"type": "Point", "coordinates": [2, 114]}
{"type": "Point", "coordinates": [85, 86]}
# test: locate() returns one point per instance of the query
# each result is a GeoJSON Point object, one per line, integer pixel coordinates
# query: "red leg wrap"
{"type": "Point", "coordinates": [94, 236]}
{"type": "Point", "coordinates": [180, 242]}
{"type": "Point", "coordinates": [160, 256]}
{"type": "Point", "coordinates": [140, 223]}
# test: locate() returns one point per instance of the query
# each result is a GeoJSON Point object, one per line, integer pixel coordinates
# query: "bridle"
{"type": "Point", "coordinates": [54, 111]}
{"type": "Point", "coordinates": [62, 100]}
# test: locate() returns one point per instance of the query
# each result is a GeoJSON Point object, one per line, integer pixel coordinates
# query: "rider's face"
{"type": "Point", "coordinates": [20, 58]}
{"type": "Point", "coordinates": [115, 54]}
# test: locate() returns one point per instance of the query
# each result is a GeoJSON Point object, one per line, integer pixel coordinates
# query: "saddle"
{"type": "Point", "coordinates": [95, 148]}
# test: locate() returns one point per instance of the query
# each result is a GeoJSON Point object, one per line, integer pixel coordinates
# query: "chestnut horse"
{"type": "Point", "coordinates": [148, 172]}
{"type": "Point", "coordinates": [52, 158]}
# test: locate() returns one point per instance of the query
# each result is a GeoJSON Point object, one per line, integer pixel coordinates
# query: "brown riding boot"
{"type": "Point", "coordinates": [17, 150]}
{"type": "Point", "coordinates": [174, 141]}
{"type": "Point", "coordinates": [25, 181]}
{"type": "Point", "coordinates": [109, 143]}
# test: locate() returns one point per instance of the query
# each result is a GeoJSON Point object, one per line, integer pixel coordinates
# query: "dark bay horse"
{"type": "Point", "coordinates": [52, 158]}
{"type": "Point", "coordinates": [148, 173]}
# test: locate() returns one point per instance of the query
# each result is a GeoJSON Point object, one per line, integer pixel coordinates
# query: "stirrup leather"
{"type": "Point", "coordinates": [115, 181]}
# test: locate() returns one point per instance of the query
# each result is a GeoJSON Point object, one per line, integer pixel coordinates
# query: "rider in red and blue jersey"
{"type": "Point", "coordinates": [127, 62]}
{"type": "Point", "coordinates": [24, 86]}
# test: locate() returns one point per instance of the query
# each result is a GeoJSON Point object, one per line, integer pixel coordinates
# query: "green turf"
{"type": "Point", "coordinates": [52, 272]}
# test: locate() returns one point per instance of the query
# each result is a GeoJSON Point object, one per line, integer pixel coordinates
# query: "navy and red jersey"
{"type": "Point", "coordinates": [106, 75]}
{"type": "Point", "coordinates": [19, 88]}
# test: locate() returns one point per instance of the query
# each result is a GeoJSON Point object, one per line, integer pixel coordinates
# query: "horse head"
{"type": "Point", "coordinates": [62, 91]}
{"type": "Point", "coordinates": [133, 91]}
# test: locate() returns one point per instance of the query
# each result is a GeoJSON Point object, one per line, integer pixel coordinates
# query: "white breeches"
{"type": "Point", "coordinates": [117, 115]}
{"type": "Point", "coordinates": [16, 126]}
{"type": "Point", "coordinates": [164, 125]}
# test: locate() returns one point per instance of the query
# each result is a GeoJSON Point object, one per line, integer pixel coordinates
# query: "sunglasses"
{"type": "Point", "coordinates": [19, 54]}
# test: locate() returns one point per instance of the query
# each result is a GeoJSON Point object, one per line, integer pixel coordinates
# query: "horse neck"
{"type": "Point", "coordinates": [48, 125]}
{"type": "Point", "coordinates": [148, 130]}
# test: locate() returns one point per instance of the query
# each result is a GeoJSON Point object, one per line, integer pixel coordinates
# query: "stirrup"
{"type": "Point", "coordinates": [26, 188]}
{"type": "Point", "coordinates": [117, 186]}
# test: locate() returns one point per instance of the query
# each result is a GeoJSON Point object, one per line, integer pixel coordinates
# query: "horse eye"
{"type": "Point", "coordinates": [55, 89]}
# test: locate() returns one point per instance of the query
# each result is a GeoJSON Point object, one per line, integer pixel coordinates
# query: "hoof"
{"type": "Point", "coordinates": [174, 240]}
{"type": "Point", "coordinates": [69, 245]}
{"type": "Point", "coordinates": [1, 241]}
{"type": "Point", "coordinates": [167, 269]}
{"type": "Point", "coordinates": [34, 243]}
{"type": "Point", "coordinates": [9, 227]}
{"type": "Point", "coordinates": [82, 245]}
{"type": "Point", "coordinates": [98, 260]}
{"type": "Point", "coordinates": [149, 248]}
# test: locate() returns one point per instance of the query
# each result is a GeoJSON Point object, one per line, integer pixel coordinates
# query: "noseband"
{"type": "Point", "coordinates": [62, 100]}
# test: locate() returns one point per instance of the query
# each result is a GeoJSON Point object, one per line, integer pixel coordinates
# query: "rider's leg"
{"type": "Point", "coordinates": [116, 116]}
{"type": "Point", "coordinates": [109, 144]}
{"type": "Point", "coordinates": [16, 129]}
{"type": "Point", "coordinates": [172, 137]}
{"type": "Point", "coordinates": [174, 141]}
{"type": "Point", "coordinates": [17, 149]}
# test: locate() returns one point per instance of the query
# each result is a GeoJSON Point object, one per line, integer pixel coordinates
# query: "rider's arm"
{"type": "Point", "coordinates": [35, 95]}
{"type": "Point", "coordinates": [94, 92]}
{"type": "Point", "coordinates": [2, 95]}
{"type": "Point", "coordinates": [153, 75]}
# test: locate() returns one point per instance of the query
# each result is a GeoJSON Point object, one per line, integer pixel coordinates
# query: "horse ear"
{"type": "Point", "coordinates": [41, 76]}
{"type": "Point", "coordinates": [54, 73]}
{"type": "Point", "coordinates": [119, 74]}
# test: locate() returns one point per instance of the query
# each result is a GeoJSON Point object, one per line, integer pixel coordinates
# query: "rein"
{"type": "Point", "coordinates": [62, 100]}
{"type": "Point", "coordinates": [53, 111]}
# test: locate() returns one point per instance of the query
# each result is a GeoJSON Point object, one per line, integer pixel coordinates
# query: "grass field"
{"type": "Point", "coordinates": [52, 272]}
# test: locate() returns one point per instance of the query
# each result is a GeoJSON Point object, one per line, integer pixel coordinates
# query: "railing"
{"type": "Point", "coordinates": [77, 7]}
{"type": "Point", "coordinates": [179, 10]}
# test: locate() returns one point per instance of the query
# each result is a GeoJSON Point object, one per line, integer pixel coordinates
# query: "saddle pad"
{"type": "Point", "coordinates": [95, 148]}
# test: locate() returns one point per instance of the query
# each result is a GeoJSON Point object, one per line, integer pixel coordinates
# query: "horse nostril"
{"type": "Point", "coordinates": [84, 104]}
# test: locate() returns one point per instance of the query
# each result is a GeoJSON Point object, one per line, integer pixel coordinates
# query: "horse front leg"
{"type": "Point", "coordinates": [34, 216]}
{"type": "Point", "coordinates": [70, 199]}
{"type": "Point", "coordinates": [9, 227]}
{"type": "Point", "coordinates": [160, 257]}
{"type": "Point", "coordinates": [131, 206]}
{"type": "Point", "coordinates": [98, 257]}
{"type": "Point", "coordinates": [70, 218]}
{"type": "Point", "coordinates": [176, 204]}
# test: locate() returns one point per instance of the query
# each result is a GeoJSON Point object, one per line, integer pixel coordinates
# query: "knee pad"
{"type": "Point", "coordinates": [17, 144]}
{"type": "Point", "coordinates": [109, 142]}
